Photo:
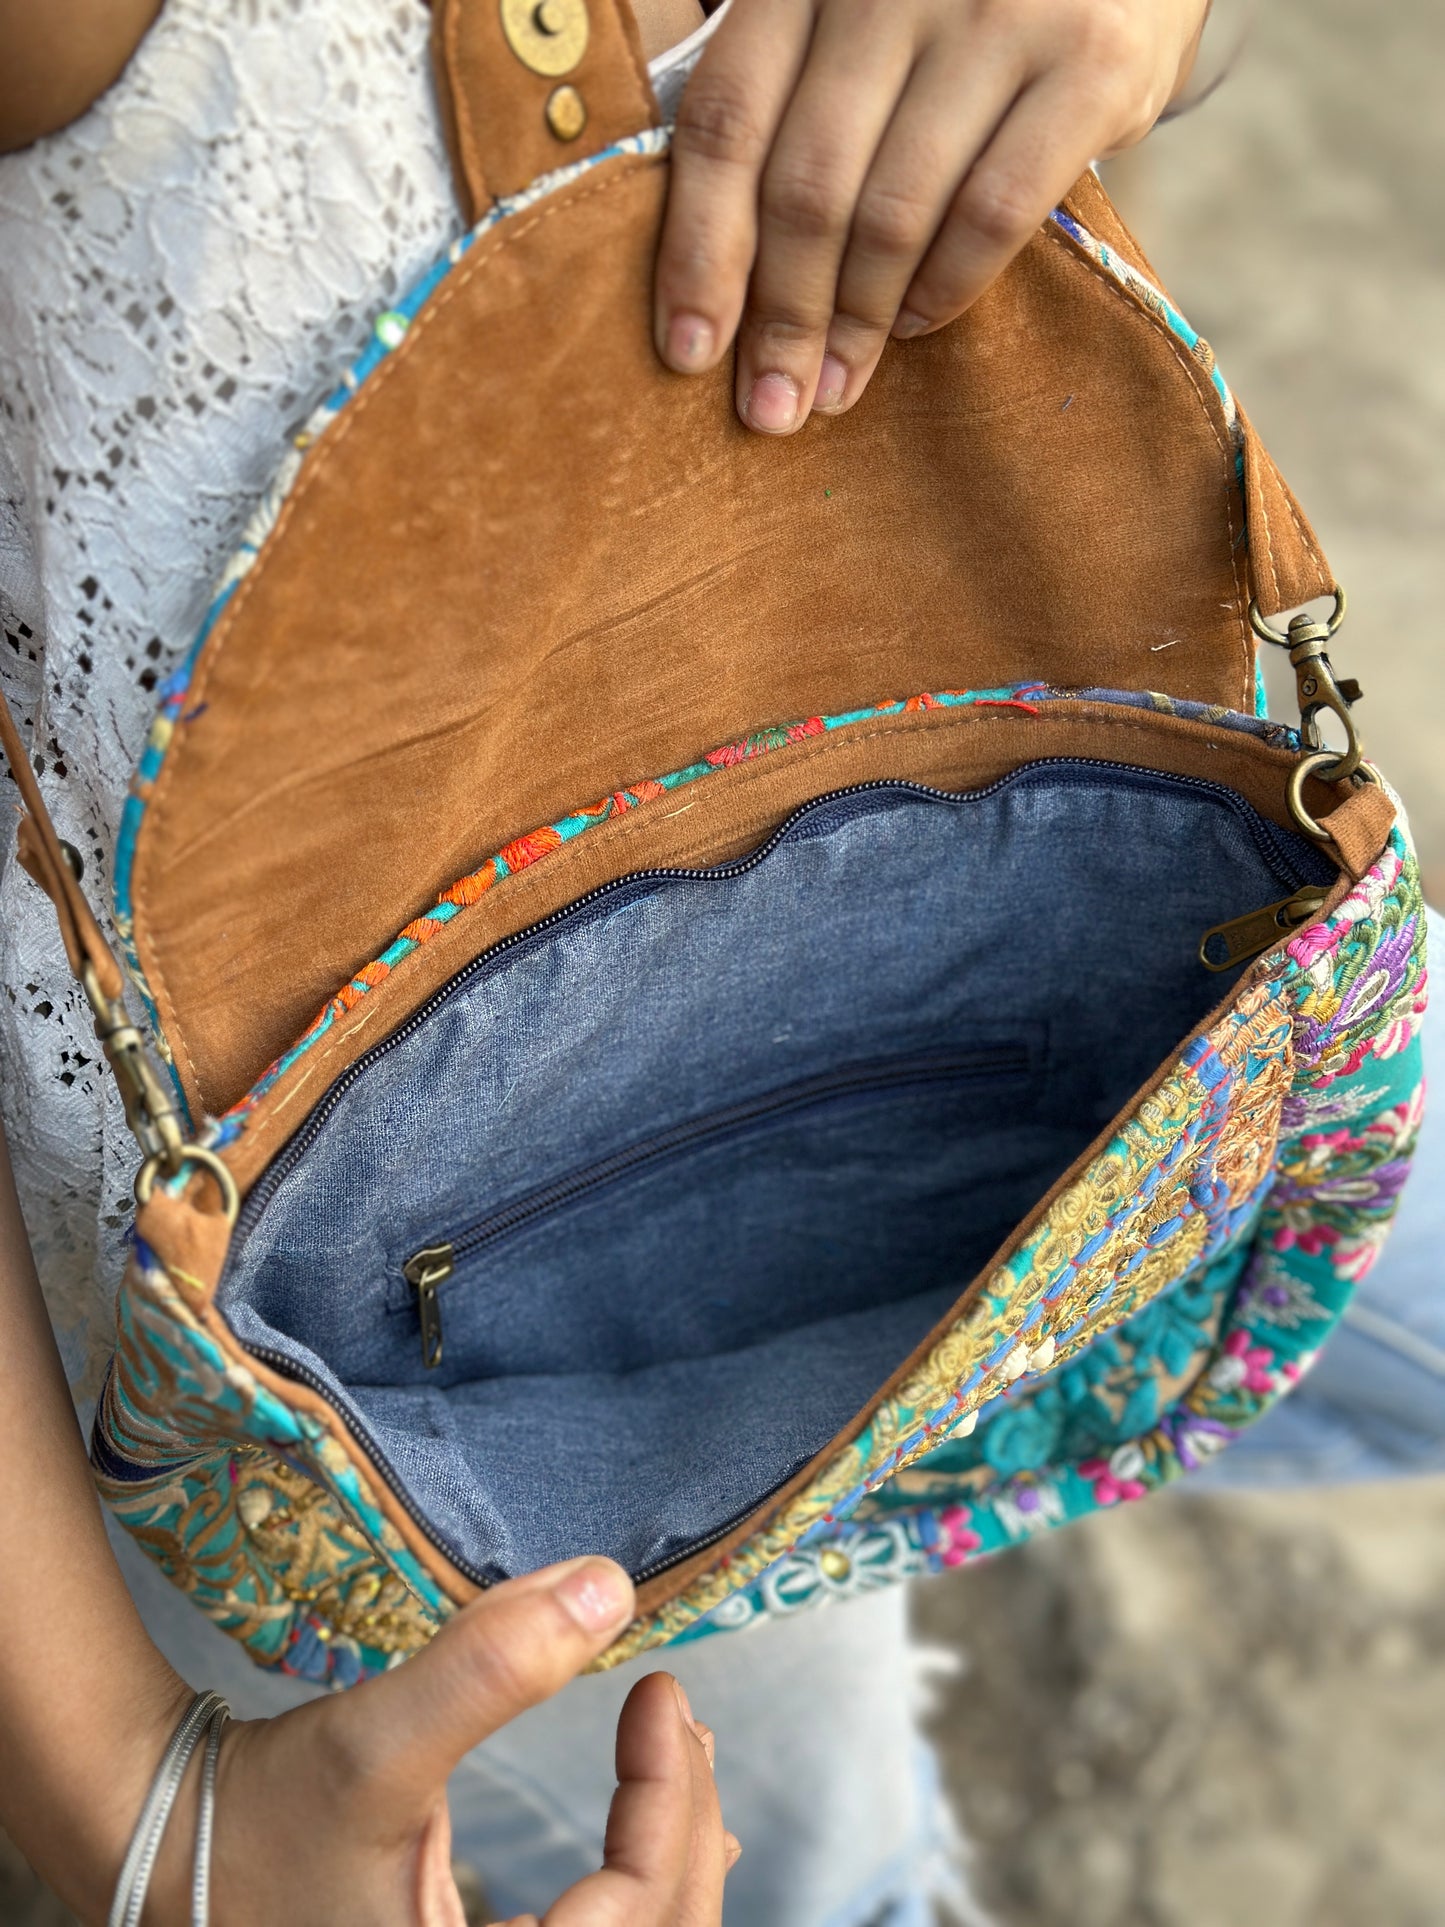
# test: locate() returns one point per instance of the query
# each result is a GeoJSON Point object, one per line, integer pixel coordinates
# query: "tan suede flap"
{"type": "Point", "coordinates": [527, 566]}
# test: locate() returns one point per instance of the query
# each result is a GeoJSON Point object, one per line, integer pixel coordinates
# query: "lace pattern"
{"type": "Point", "coordinates": [187, 269]}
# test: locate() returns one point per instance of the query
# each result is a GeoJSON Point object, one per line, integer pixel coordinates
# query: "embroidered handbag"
{"type": "Point", "coordinates": [828, 1076]}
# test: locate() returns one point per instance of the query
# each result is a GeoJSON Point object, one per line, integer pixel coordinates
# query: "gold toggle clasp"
{"type": "Point", "coordinates": [549, 37]}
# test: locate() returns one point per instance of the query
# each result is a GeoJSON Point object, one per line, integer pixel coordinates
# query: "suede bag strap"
{"type": "Point", "coordinates": [46, 858]}
{"type": "Point", "coordinates": [1287, 566]}
{"type": "Point", "coordinates": [150, 1108]}
{"type": "Point", "coordinates": [525, 86]}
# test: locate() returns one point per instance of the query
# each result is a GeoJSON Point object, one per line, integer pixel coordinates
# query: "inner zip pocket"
{"type": "Point", "coordinates": [431, 1267]}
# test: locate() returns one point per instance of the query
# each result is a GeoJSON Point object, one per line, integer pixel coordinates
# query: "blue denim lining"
{"type": "Point", "coordinates": [634, 1368]}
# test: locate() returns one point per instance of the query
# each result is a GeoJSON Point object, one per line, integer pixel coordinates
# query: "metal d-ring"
{"type": "Point", "coordinates": [1267, 632]}
{"type": "Point", "coordinates": [1316, 764]}
{"type": "Point", "coordinates": [145, 1178]}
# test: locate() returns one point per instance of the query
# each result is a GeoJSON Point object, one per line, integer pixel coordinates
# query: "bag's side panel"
{"type": "Point", "coordinates": [247, 1502]}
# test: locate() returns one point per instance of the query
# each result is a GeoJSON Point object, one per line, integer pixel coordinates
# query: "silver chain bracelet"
{"type": "Point", "coordinates": [204, 1719]}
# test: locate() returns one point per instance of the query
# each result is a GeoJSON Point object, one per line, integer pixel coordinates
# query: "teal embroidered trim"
{"type": "Point", "coordinates": [534, 845]}
{"type": "Point", "coordinates": [248, 1503]}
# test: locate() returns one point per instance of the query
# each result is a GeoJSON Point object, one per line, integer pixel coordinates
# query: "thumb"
{"type": "Point", "coordinates": [514, 1647]}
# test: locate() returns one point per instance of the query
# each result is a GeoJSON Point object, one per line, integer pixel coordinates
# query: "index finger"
{"type": "Point", "coordinates": [729, 114]}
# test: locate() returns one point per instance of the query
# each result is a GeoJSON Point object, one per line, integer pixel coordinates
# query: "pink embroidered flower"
{"type": "Point", "coordinates": [1312, 1238]}
{"type": "Point", "coordinates": [1244, 1367]}
{"type": "Point", "coordinates": [959, 1540]}
{"type": "Point", "coordinates": [1319, 940]}
{"type": "Point", "coordinates": [1111, 1487]}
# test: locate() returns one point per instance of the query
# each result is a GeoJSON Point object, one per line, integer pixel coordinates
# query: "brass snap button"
{"type": "Point", "coordinates": [548, 36]}
{"type": "Point", "coordinates": [566, 113]}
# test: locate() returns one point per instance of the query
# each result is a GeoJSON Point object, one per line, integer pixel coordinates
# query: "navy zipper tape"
{"type": "Point", "coordinates": [985, 1062]}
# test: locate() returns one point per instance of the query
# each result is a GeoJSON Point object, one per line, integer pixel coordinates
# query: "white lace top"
{"type": "Point", "coordinates": [183, 274]}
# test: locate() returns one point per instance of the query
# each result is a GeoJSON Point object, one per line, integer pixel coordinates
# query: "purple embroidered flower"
{"type": "Point", "coordinates": [1195, 1438]}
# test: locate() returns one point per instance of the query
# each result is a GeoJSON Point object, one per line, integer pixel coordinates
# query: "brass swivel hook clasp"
{"type": "Point", "coordinates": [1319, 690]}
{"type": "Point", "coordinates": [1316, 685]}
{"type": "Point", "coordinates": [150, 1110]}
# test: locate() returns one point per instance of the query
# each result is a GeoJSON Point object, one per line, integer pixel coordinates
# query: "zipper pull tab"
{"type": "Point", "coordinates": [1228, 944]}
{"type": "Point", "coordinates": [424, 1271]}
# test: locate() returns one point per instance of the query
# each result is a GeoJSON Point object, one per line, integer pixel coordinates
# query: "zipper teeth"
{"type": "Point", "coordinates": [659, 1566]}
{"type": "Point", "coordinates": [500, 1224]}
{"type": "Point", "coordinates": [722, 873]}
{"type": "Point", "coordinates": [1272, 850]}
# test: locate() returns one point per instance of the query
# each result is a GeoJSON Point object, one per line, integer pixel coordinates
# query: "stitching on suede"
{"type": "Point", "coordinates": [454, 285]}
{"type": "Point", "coordinates": [634, 59]}
{"type": "Point", "coordinates": [476, 181]}
{"type": "Point", "coordinates": [458, 280]}
{"type": "Point", "coordinates": [1136, 307]}
{"type": "Point", "coordinates": [1298, 519]}
{"type": "Point", "coordinates": [1262, 509]}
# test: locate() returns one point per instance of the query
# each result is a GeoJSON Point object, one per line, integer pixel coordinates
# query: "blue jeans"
{"type": "Point", "coordinates": [822, 1773]}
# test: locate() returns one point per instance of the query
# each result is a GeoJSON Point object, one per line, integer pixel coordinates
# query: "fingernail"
{"type": "Point", "coordinates": [690, 341]}
{"type": "Point", "coordinates": [683, 1706]}
{"type": "Point", "coordinates": [773, 404]}
{"type": "Point", "coordinates": [598, 1597]}
{"type": "Point", "coordinates": [909, 323]}
{"type": "Point", "coordinates": [709, 1743]}
{"type": "Point", "coordinates": [733, 1848]}
{"type": "Point", "coordinates": [832, 385]}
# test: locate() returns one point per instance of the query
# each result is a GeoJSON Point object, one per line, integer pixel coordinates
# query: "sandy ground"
{"type": "Point", "coordinates": [1231, 1712]}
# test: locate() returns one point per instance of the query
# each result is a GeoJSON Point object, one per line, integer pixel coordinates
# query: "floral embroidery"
{"type": "Point", "coordinates": [249, 1505]}
{"type": "Point", "coordinates": [956, 1537]}
{"type": "Point", "coordinates": [1112, 1478]}
{"type": "Point", "coordinates": [1164, 1300]}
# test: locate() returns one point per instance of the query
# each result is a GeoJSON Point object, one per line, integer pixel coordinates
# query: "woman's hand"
{"type": "Point", "coordinates": [844, 170]}
{"type": "Point", "coordinates": [336, 1812]}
